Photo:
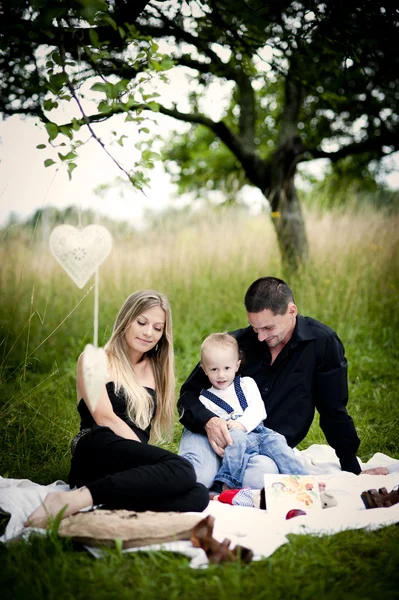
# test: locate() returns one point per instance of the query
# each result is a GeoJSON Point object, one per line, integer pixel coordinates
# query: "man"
{"type": "Point", "coordinates": [298, 364]}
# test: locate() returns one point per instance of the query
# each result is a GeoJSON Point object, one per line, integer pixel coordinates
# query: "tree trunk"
{"type": "Point", "coordinates": [286, 210]}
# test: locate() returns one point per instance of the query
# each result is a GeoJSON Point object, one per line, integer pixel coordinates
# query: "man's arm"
{"type": "Point", "coordinates": [193, 413]}
{"type": "Point", "coordinates": [331, 398]}
{"type": "Point", "coordinates": [196, 417]}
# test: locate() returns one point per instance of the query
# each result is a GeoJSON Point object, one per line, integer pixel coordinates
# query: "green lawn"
{"type": "Point", "coordinates": [351, 283]}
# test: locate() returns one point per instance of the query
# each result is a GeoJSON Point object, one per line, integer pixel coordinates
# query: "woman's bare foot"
{"type": "Point", "coordinates": [375, 471]}
{"type": "Point", "coordinates": [54, 502]}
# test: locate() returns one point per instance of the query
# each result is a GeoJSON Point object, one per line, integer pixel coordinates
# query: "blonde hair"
{"type": "Point", "coordinates": [221, 340]}
{"type": "Point", "coordinates": [140, 405]}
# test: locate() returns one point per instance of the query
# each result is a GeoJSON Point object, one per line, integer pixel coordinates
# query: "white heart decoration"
{"type": "Point", "coordinates": [95, 373]}
{"type": "Point", "coordinates": [80, 251]}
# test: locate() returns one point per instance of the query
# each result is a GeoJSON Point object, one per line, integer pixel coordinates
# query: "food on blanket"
{"type": "Point", "coordinates": [294, 512]}
{"type": "Point", "coordinates": [103, 527]}
{"type": "Point", "coordinates": [217, 552]}
{"type": "Point", "coordinates": [380, 499]}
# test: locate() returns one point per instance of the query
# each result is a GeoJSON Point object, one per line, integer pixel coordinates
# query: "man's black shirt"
{"type": "Point", "coordinates": [310, 372]}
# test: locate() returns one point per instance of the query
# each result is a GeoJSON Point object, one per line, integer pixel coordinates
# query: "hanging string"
{"type": "Point", "coordinates": [79, 216]}
{"type": "Point", "coordinates": [96, 293]}
{"type": "Point", "coordinates": [96, 298]}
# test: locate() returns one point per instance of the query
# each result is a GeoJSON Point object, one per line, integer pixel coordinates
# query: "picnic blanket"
{"type": "Point", "coordinates": [249, 527]}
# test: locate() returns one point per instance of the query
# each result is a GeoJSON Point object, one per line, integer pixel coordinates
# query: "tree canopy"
{"type": "Point", "coordinates": [305, 80]}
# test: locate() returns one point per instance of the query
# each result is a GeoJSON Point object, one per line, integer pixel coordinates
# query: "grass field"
{"type": "Point", "coordinates": [351, 282]}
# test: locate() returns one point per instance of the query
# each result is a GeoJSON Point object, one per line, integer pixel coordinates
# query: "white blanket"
{"type": "Point", "coordinates": [249, 527]}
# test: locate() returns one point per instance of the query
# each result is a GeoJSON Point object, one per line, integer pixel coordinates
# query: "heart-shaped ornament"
{"type": "Point", "coordinates": [80, 251]}
{"type": "Point", "coordinates": [95, 373]}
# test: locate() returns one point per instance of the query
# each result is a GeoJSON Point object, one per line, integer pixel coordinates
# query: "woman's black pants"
{"type": "Point", "coordinates": [124, 474]}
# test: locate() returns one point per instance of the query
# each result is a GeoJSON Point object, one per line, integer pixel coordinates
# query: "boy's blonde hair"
{"type": "Point", "coordinates": [221, 340]}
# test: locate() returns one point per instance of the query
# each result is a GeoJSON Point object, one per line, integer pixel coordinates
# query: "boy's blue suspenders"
{"type": "Point", "coordinates": [222, 404]}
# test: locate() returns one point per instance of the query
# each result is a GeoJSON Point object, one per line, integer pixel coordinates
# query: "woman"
{"type": "Point", "coordinates": [112, 463]}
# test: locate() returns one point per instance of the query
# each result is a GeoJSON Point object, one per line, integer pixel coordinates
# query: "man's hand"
{"type": "Point", "coordinates": [232, 424]}
{"type": "Point", "coordinates": [375, 471]}
{"type": "Point", "coordinates": [218, 435]}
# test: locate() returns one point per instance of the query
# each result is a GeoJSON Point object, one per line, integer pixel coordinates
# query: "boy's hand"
{"type": "Point", "coordinates": [235, 425]}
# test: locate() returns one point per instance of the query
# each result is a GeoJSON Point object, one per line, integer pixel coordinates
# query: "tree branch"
{"type": "Point", "coordinates": [86, 118]}
{"type": "Point", "coordinates": [246, 102]}
{"type": "Point", "coordinates": [169, 28]}
{"type": "Point", "coordinates": [256, 169]}
{"type": "Point", "coordinates": [372, 145]}
{"type": "Point", "coordinates": [219, 70]}
{"type": "Point", "coordinates": [292, 105]}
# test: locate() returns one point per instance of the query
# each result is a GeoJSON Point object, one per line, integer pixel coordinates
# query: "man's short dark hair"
{"type": "Point", "coordinates": [268, 293]}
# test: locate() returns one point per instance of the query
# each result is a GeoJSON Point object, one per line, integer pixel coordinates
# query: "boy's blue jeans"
{"type": "Point", "coordinates": [261, 441]}
{"type": "Point", "coordinates": [195, 447]}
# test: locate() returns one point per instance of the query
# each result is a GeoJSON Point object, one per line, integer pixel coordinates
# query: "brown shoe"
{"type": "Point", "coordinates": [380, 499]}
{"type": "Point", "coordinates": [217, 552]}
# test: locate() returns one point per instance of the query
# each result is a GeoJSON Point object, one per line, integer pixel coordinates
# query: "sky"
{"type": "Point", "coordinates": [26, 185]}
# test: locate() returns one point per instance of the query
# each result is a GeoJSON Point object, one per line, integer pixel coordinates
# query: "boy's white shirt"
{"type": "Point", "coordinates": [254, 413]}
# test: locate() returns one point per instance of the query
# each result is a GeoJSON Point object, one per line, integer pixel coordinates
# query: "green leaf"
{"type": "Point", "coordinates": [56, 57]}
{"type": "Point", "coordinates": [52, 130]}
{"type": "Point", "coordinates": [121, 85]}
{"type": "Point", "coordinates": [71, 167]}
{"type": "Point", "coordinates": [69, 156]}
{"type": "Point", "coordinates": [57, 81]}
{"type": "Point", "coordinates": [49, 104]}
{"type": "Point", "coordinates": [66, 131]}
{"type": "Point", "coordinates": [75, 124]}
{"type": "Point", "coordinates": [93, 35]}
{"type": "Point", "coordinates": [41, 146]}
{"type": "Point", "coordinates": [149, 155]}
{"type": "Point", "coordinates": [154, 106]}
{"type": "Point", "coordinates": [108, 19]}
{"type": "Point", "coordinates": [99, 87]}
{"type": "Point", "coordinates": [103, 107]}
{"type": "Point", "coordinates": [48, 162]}
{"type": "Point", "coordinates": [120, 141]}
{"type": "Point", "coordinates": [138, 180]}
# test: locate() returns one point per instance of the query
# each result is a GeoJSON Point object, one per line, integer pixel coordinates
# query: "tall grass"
{"type": "Point", "coordinates": [350, 282]}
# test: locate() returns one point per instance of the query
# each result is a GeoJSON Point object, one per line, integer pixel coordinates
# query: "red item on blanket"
{"type": "Point", "coordinates": [227, 496]}
{"type": "Point", "coordinates": [294, 512]}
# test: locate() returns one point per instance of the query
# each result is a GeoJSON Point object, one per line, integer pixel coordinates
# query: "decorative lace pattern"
{"type": "Point", "coordinates": [80, 251]}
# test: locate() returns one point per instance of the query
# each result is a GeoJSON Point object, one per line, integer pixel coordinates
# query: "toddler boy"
{"type": "Point", "coordinates": [238, 401]}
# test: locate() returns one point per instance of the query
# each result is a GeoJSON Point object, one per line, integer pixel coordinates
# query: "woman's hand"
{"type": "Point", "coordinates": [103, 413]}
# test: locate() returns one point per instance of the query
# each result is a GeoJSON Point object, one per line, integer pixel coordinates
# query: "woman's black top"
{"type": "Point", "coordinates": [118, 402]}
